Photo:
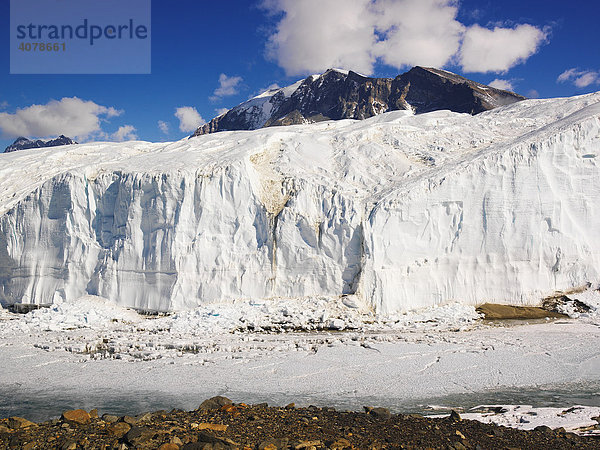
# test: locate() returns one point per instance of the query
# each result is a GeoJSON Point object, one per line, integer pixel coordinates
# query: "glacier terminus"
{"type": "Point", "coordinates": [402, 211]}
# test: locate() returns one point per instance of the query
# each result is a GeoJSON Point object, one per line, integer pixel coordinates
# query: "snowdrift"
{"type": "Point", "coordinates": [403, 211]}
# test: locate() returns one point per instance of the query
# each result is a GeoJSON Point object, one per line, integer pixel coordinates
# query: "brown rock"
{"type": "Point", "coordinates": [130, 420]}
{"type": "Point", "coordinates": [454, 416]}
{"type": "Point", "coordinates": [307, 444]}
{"type": "Point", "coordinates": [215, 403]}
{"type": "Point", "coordinates": [94, 413]}
{"type": "Point", "coordinates": [69, 445]}
{"type": "Point", "coordinates": [29, 446]}
{"type": "Point", "coordinates": [144, 417]}
{"type": "Point", "coordinates": [291, 406]}
{"type": "Point", "coordinates": [77, 416]}
{"type": "Point", "coordinates": [175, 440]}
{"type": "Point", "coordinates": [109, 418]}
{"type": "Point", "coordinates": [17, 423]}
{"type": "Point", "coordinates": [169, 447]}
{"type": "Point", "coordinates": [229, 408]}
{"type": "Point", "coordinates": [273, 444]}
{"type": "Point", "coordinates": [381, 413]}
{"type": "Point", "coordinates": [4, 429]}
{"type": "Point", "coordinates": [212, 426]}
{"type": "Point", "coordinates": [339, 444]}
{"type": "Point", "coordinates": [214, 441]}
{"type": "Point", "coordinates": [139, 436]}
{"type": "Point", "coordinates": [119, 429]}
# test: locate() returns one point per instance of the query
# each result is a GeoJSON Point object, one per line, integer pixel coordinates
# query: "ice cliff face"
{"type": "Point", "coordinates": [404, 211]}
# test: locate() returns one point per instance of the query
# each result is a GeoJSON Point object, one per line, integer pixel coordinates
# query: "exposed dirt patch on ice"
{"type": "Point", "coordinates": [493, 311]}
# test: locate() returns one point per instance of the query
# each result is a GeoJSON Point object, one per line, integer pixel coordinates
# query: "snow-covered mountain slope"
{"type": "Point", "coordinates": [252, 114]}
{"type": "Point", "coordinates": [404, 211]}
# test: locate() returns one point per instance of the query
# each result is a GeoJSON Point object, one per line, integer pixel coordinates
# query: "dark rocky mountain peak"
{"type": "Point", "coordinates": [338, 94]}
{"type": "Point", "coordinates": [22, 143]}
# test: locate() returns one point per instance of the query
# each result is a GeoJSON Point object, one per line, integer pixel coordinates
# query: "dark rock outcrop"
{"type": "Point", "coordinates": [23, 143]}
{"type": "Point", "coordinates": [337, 95]}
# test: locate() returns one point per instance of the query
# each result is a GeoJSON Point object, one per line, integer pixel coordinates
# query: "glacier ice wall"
{"type": "Point", "coordinates": [172, 241]}
{"type": "Point", "coordinates": [509, 225]}
{"type": "Point", "coordinates": [404, 211]}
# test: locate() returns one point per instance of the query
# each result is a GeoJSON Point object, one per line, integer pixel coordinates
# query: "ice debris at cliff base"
{"type": "Point", "coordinates": [306, 314]}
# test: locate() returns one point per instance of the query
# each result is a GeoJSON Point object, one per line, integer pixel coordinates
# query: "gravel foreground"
{"type": "Point", "coordinates": [220, 424]}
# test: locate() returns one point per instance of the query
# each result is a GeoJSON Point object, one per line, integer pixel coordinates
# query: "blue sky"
{"type": "Point", "coordinates": [243, 47]}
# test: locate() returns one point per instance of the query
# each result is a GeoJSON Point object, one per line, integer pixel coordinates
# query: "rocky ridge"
{"type": "Point", "coordinates": [337, 95]}
{"type": "Point", "coordinates": [22, 143]}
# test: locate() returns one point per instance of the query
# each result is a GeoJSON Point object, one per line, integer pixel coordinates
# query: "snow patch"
{"type": "Point", "coordinates": [578, 419]}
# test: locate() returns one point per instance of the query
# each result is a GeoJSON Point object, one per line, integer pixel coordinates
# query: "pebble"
{"type": "Point", "coordinates": [110, 418]}
{"type": "Point", "coordinates": [339, 444]}
{"type": "Point", "coordinates": [307, 444]}
{"type": "Point", "coordinates": [18, 423]}
{"type": "Point", "coordinates": [138, 436]}
{"type": "Point", "coordinates": [119, 429]}
{"type": "Point", "coordinates": [69, 445]}
{"type": "Point", "coordinates": [274, 444]}
{"type": "Point", "coordinates": [130, 420]}
{"type": "Point", "coordinates": [169, 447]}
{"type": "Point", "coordinates": [211, 426]}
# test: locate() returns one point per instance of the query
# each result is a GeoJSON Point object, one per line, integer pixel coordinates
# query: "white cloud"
{"type": "Point", "coordinates": [502, 84]}
{"type": "Point", "coordinates": [227, 86]}
{"type": "Point", "coordinates": [580, 78]}
{"type": "Point", "coordinates": [189, 118]}
{"type": "Point", "coordinates": [533, 94]}
{"type": "Point", "coordinates": [497, 50]}
{"type": "Point", "coordinates": [69, 116]}
{"type": "Point", "coordinates": [314, 35]}
{"type": "Point", "coordinates": [124, 133]}
{"type": "Point", "coordinates": [3, 105]}
{"type": "Point", "coordinates": [163, 126]}
{"type": "Point", "coordinates": [221, 111]}
{"type": "Point", "coordinates": [418, 32]}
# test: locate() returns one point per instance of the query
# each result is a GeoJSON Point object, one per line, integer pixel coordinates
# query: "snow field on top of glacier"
{"type": "Point", "coordinates": [400, 211]}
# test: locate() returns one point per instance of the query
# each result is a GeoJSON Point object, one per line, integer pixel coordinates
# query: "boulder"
{"type": "Point", "coordinates": [76, 416]}
{"type": "Point", "coordinates": [215, 403]}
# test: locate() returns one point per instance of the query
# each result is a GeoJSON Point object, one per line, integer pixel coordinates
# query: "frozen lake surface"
{"type": "Point", "coordinates": [93, 354]}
